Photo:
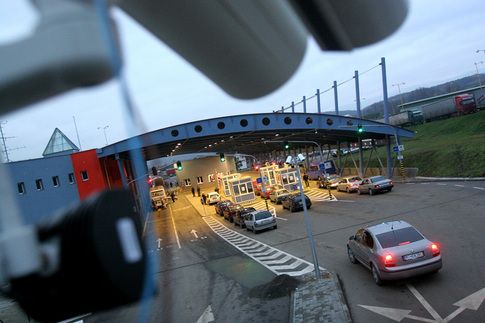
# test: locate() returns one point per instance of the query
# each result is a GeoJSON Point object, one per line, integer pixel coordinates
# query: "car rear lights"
{"type": "Point", "coordinates": [389, 261]}
{"type": "Point", "coordinates": [435, 250]}
{"type": "Point", "coordinates": [377, 186]}
{"type": "Point", "coordinates": [390, 182]}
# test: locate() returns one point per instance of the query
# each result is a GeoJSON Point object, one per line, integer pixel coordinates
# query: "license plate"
{"type": "Point", "coordinates": [413, 256]}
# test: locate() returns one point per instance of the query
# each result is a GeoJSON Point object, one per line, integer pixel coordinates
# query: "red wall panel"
{"type": "Point", "coordinates": [88, 161]}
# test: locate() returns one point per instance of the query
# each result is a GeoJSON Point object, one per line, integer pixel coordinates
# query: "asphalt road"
{"type": "Point", "coordinates": [197, 269]}
{"type": "Point", "coordinates": [452, 214]}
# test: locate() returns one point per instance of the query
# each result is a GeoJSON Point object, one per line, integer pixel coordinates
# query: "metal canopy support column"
{"type": "Point", "coordinates": [318, 101]}
{"type": "Point", "coordinates": [140, 175]}
{"type": "Point", "coordinates": [304, 104]}
{"type": "Point", "coordinates": [386, 117]}
{"type": "Point", "coordinates": [357, 94]}
{"type": "Point", "coordinates": [335, 96]}
{"type": "Point", "coordinates": [124, 181]}
{"type": "Point", "coordinates": [349, 152]}
{"type": "Point", "coordinates": [292, 106]}
{"type": "Point", "coordinates": [361, 160]}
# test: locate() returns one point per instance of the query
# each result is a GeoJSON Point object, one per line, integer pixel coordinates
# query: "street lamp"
{"type": "Point", "coordinates": [104, 131]}
{"type": "Point", "coordinates": [478, 73]}
{"type": "Point", "coordinates": [399, 90]}
{"type": "Point", "coordinates": [296, 161]}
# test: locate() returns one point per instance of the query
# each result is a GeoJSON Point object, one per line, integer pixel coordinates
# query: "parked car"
{"type": "Point", "coordinates": [393, 250]}
{"type": "Point", "coordinates": [294, 202]}
{"type": "Point", "coordinates": [276, 196]}
{"type": "Point", "coordinates": [259, 220]}
{"type": "Point", "coordinates": [257, 188]}
{"type": "Point", "coordinates": [213, 198]}
{"type": "Point", "coordinates": [329, 182]}
{"type": "Point", "coordinates": [231, 210]}
{"type": "Point", "coordinates": [221, 206]}
{"type": "Point", "coordinates": [238, 218]}
{"type": "Point", "coordinates": [268, 190]}
{"type": "Point", "coordinates": [349, 184]}
{"type": "Point", "coordinates": [375, 184]}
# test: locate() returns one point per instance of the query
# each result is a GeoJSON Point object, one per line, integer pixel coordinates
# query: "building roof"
{"type": "Point", "coordinates": [59, 144]}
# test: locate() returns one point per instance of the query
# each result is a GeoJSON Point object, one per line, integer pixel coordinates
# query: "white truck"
{"type": "Point", "coordinates": [159, 197]}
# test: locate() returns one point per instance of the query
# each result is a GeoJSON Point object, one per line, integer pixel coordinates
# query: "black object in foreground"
{"type": "Point", "coordinates": [94, 259]}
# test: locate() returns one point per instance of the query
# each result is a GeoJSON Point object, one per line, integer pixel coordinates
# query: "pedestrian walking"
{"type": "Point", "coordinates": [305, 178]}
{"type": "Point", "coordinates": [172, 195]}
{"type": "Point", "coordinates": [203, 199]}
{"type": "Point", "coordinates": [193, 191]}
{"type": "Point", "coordinates": [198, 191]}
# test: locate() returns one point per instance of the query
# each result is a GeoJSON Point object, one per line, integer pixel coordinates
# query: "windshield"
{"type": "Point", "coordinates": [262, 215]}
{"type": "Point", "coordinates": [398, 237]}
{"type": "Point", "coordinates": [378, 179]}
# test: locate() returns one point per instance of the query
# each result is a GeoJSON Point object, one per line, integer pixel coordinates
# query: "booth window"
{"type": "Point", "coordinates": [200, 180]}
{"type": "Point", "coordinates": [71, 178]}
{"type": "Point", "coordinates": [55, 181]}
{"type": "Point", "coordinates": [236, 189]}
{"type": "Point", "coordinates": [84, 175]}
{"type": "Point", "coordinates": [211, 178]}
{"type": "Point", "coordinates": [187, 181]}
{"type": "Point", "coordinates": [243, 188]}
{"type": "Point", "coordinates": [250, 188]}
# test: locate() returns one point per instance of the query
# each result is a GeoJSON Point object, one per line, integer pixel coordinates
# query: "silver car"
{"type": "Point", "coordinates": [259, 220]}
{"type": "Point", "coordinates": [277, 196]}
{"type": "Point", "coordinates": [349, 184]}
{"type": "Point", "coordinates": [375, 184]}
{"type": "Point", "coordinates": [394, 250]}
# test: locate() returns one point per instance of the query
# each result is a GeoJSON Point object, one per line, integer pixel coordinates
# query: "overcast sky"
{"type": "Point", "coordinates": [438, 42]}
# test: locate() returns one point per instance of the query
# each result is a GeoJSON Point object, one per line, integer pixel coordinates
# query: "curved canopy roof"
{"type": "Point", "coordinates": [253, 133]}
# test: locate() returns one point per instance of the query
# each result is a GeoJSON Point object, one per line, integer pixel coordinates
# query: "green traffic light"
{"type": "Point", "coordinates": [360, 129]}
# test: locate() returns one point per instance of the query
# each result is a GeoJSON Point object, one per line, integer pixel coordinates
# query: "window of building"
{"type": "Point", "coordinates": [21, 187]}
{"type": "Point", "coordinates": [55, 181]}
{"type": "Point", "coordinates": [39, 185]}
{"type": "Point", "coordinates": [187, 182]}
{"type": "Point", "coordinates": [84, 175]}
{"type": "Point", "coordinates": [71, 178]}
{"type": "Point", "coordinates": [200, 180]}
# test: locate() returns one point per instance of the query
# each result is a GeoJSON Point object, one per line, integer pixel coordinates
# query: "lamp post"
{"type": "Point", "coordinates": [295, 161]}
{"type": "Point", "coordinates": [478, 73]}
{"type": "Point", "coordinates": [399, 90]}
{"type": "Point", "coordinates": [104, 131]}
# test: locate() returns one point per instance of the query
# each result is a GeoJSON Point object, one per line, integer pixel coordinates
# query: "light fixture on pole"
{"type": "Point", "coordinates": [478, 73]}
{"type": "Point", "coordinates": [399, 90]}
{"type": "Point", "coordinates": [104, 131]}
{"type": "Point", "coordinates": [296, 161]}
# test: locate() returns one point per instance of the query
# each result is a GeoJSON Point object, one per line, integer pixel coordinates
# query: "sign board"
{"type": "Point", "coordinates": [400, 147]}
{"type": "Point", "coordinates": [400, 157]}
{"type": "Point", "coordinates": [259, 180]}
{"type": "Point", "coordinates": [395, 149]}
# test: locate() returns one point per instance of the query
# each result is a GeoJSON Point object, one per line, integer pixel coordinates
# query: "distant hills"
{"type": "Point", "coordinates": [376, 110]}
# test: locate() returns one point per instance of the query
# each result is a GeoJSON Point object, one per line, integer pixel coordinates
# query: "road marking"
{"type": "Point", "coordinates": [441, 184]}
{"type": "Point", "coordinates": [410, 183]}
{"type": "Point", "coordinates": [194, 233]}
{"type": "Point", "coordinates": [424, 183]}
{"type": "Point", "coordinates": [479, 188]}
{"type": "Point", "coordinates": [458, 185]}
{"type": "Point", "coordinates": [471, 302]}
{"type": "Point", "coordinates": [158, 243]}
{"type": "Point", "coordinates": [425, 303]}
{"type": "Point", "coordinates": [182, 208]}
{"type": "Point", "coordinates": [277, 261]}
{"type": "Point", "coordinates": [174, 227]}
{"type": "Point", "coordinates": [207, 316]}
{"type": "Point", "coordinates": [281, 218]}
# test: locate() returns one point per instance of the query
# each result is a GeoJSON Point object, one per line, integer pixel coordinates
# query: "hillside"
{"type": "Point", "coordinates": [451, 147]}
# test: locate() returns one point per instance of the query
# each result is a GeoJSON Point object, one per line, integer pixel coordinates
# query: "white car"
{"type": "Point", "coordinates": [349, 184]}
{"type": "Point", "coordinates": [213, 198]}
{"type": "Point", "coordinates": [259, 220]}
{"type": "Point", "coordinates": [278, 195]}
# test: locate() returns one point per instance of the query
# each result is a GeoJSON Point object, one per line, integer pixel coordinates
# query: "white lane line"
{"type": "Point", "coordinates": [410, 183]}
{"type": "Point", "coordinates": [479, 188]}
{"type": "Point", "coordinates": [458, 185]}
{"type": "Point", "coordinates": [281, 218]}
{"type": "Point", "coordinates": [174, 227]}
{"type": "Point", "coordinates": [441, 184]}
{"type": "Point", "coordinates": [425, 303]}
{"type": "Point", "coordinates": [207, 316]}
{"type": "Point", "coordinates": [424, 183]}
{"type": "Point", "coordinates": [182, 208]}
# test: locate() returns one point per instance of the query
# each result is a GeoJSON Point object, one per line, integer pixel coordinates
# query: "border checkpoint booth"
{"type": "Point", "coordinates": [225, 183]}
{"type": "Point", "coordinates": [268, 175]}
{"type": "Point", "coordinates": [242, 189]}
{"type": "Point", "coordinates": [288, 178]}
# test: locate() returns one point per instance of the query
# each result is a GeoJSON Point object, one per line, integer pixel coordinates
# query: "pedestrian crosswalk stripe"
{"type": "Point", "coordinates": [277, 261]}
{"type": "Point", "coordinates": [318, 195]}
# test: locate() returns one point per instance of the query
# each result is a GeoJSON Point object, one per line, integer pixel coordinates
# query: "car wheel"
{"type": "Point", "coordinates": [275, 226]}
{"type": "Point", "coordinates": [371, 191]}
{"type": "Point", "coordinates": [390, 189]}
{"type": "Point", "coordinates": [359, 192]}
{"type": "Point", "coordinates": [247, 228]}
{"type": "Point", "coordinates": [231, 220]}
{"type": "Point", "coordinates": [254, 230]}
{"type": "Point", "coordinates": [351, 256]}
{"type": "Point", "coordinates": [376, 276]}
{"type": "Point", "coordinates": [347, 190]}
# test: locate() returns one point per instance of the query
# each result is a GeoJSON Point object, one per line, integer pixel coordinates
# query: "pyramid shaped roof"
{"type": "Point", "coordinates": [59, 144]}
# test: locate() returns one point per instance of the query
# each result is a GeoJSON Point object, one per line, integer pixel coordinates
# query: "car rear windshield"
{"type": "Point", "coordinates": [263, 215]}
{"type": "Point", "coordinates": [395, 237]}
{"type": "Point", "coordinates": [378, 179]}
